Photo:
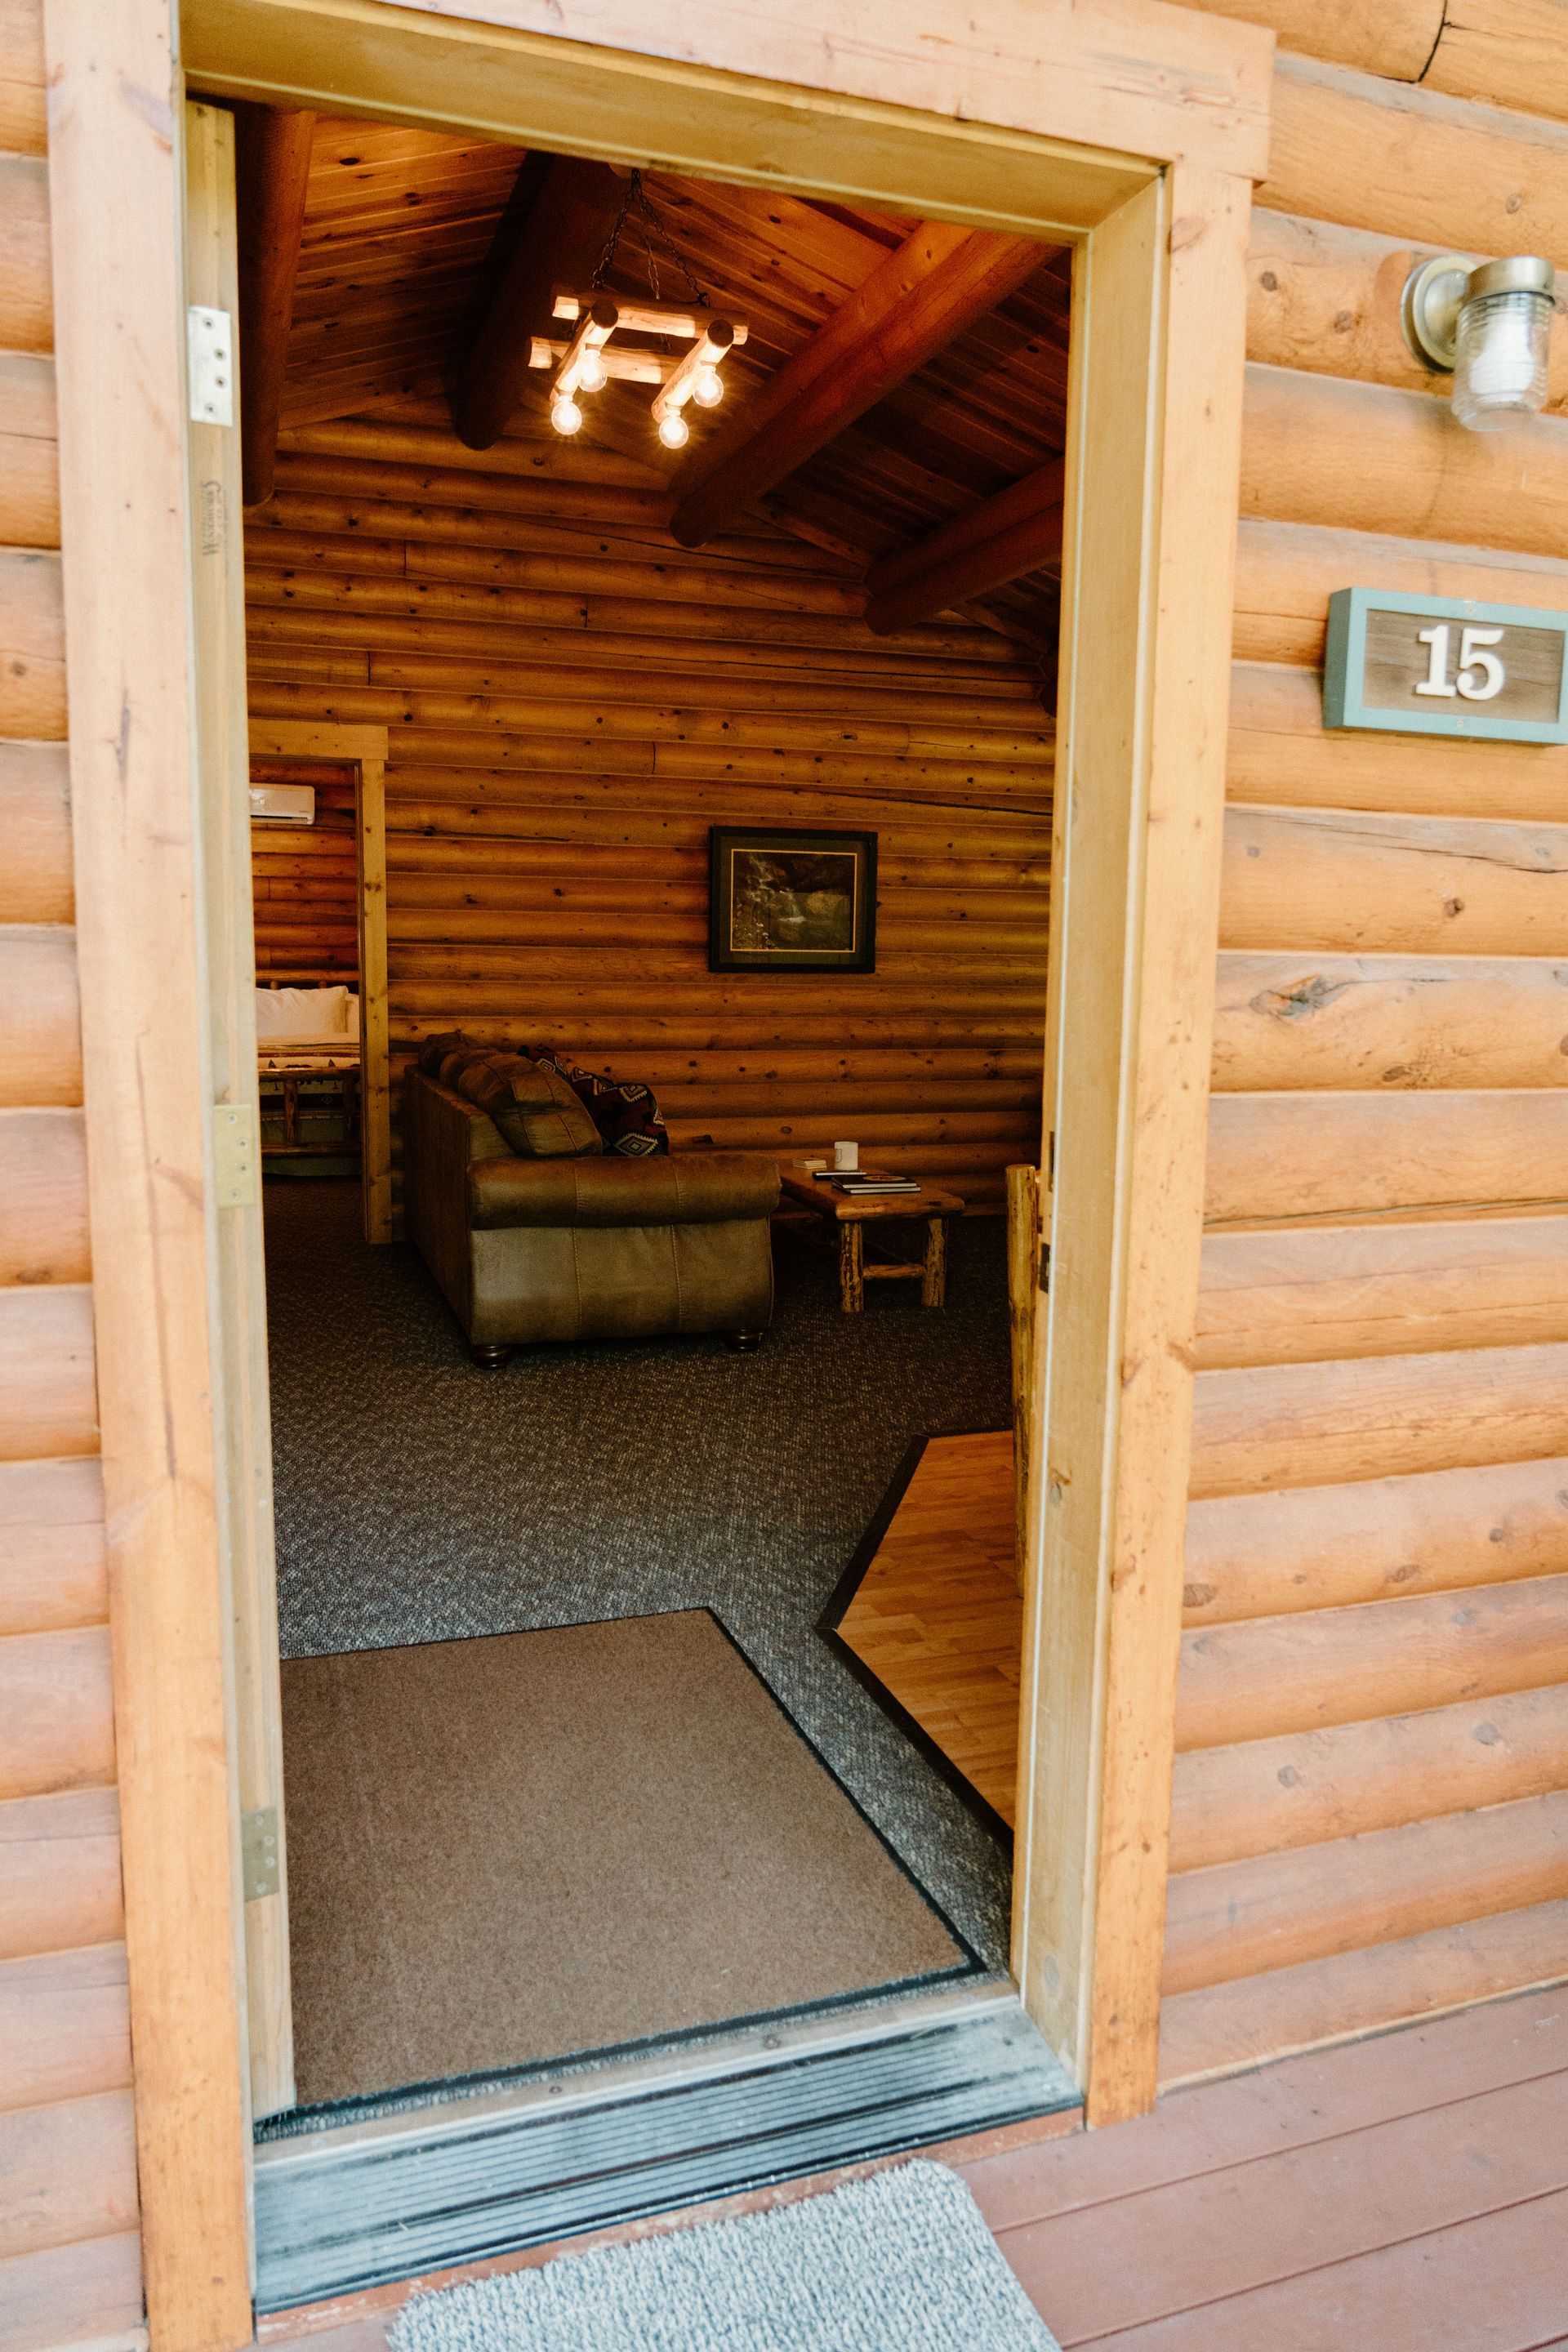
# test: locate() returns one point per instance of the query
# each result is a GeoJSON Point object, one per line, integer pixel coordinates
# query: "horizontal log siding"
{"type": "Point", "coordinates": [572, 701]}
{"type": "Point", "coordinates": [1370, 1812]}
{"type": "Point", "coordinates": [69, 2254]}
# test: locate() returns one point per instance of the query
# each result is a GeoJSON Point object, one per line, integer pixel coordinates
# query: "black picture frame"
{"type": "Point", "coordinates": [766, 881]}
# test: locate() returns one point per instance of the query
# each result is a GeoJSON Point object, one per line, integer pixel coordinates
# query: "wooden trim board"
{"type": "Point", "coordinates": [792, 98]}
{"type": "Point", "coordinates": [1149, 551]}
{"type": "Point", "coordinates": [240, 1273]}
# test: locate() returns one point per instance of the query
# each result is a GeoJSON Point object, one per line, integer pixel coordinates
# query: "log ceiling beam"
{"type": "Point", "coordinates": [272, 170]}
{"type": "Point", "coordinates": [937, 283]}
{"type": "Point", "coordinates": [1016, 532]}
{"type": "Point", "coordinates": [563, 235]}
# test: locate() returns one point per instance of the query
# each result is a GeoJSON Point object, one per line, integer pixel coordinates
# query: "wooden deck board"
{"type": "Point", "coordinates": [937, 1616]}
{"type": "Point", "coordinates": [1399, 2194]}
{"type": "Point", "coordinates": [1493, 2284]}
{"type": "Point", "coordinates": [1122, 2265]}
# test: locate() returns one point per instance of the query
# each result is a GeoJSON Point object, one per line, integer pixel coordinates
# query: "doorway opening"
{"type": "Point", "coordinates": [647, 1572]}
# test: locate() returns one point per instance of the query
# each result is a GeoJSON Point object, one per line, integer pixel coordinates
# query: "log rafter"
{"type": "Point", "coordinates": [1016, 532]}
{"type": "Point", "coordinates": [933, 286]}
{"type": "Point", "coordinates": [273, 163]}
{"type": "Point", "coordinates": [567, 211]}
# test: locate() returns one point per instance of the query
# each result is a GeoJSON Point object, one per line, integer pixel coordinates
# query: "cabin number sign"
{"type": "Point", "coordinates": [1437, 666]}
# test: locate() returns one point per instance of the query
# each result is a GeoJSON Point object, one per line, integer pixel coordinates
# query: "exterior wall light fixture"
{"type": "Point", "coordinates": [1489, 327]}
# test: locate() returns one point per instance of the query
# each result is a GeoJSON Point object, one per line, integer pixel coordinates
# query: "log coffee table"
{"type": "Point", "coordinates": [852, 1215]}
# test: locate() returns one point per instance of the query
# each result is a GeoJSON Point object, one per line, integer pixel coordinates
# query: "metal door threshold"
{"type": "Point", "coordinates": [340, 2211]}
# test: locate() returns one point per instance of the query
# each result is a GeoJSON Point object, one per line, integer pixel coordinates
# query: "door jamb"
{"type": "Point", "coordinates": [364, 749]}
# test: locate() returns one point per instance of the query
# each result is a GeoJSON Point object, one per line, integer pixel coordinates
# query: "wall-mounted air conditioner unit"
{"type": "Point", "coordinates": [282, 803]}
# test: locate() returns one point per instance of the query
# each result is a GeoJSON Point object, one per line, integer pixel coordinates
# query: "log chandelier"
{"type": "Point", "coordinates": [586, 363]}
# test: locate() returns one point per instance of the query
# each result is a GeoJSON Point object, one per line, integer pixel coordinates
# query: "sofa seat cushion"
{"type": "Point", "coordinates": [704, 1187]}
{"type": "Point", "coordinates": [532, 1107]}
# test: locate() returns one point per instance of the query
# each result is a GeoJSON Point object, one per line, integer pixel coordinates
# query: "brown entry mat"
{"type": "Point", "coordinates": [512, 1849]}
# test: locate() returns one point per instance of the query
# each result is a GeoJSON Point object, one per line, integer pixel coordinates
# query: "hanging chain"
{"type": "Point", "coordinates": [651, 226]}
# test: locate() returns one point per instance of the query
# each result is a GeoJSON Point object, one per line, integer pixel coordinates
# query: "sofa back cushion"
{"type": "Point", "coordinates": [535, 1111]}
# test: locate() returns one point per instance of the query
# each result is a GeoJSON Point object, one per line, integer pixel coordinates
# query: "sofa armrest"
{"type": "Point", "coordinates": [704, 1189]}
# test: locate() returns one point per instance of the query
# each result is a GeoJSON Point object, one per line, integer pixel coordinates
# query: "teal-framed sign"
{"type": "Point", "coordinates": [1443, 666]}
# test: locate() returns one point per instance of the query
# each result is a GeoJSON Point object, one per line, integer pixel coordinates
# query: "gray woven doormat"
{"type": "Point", "coordinates": [901, 2263]}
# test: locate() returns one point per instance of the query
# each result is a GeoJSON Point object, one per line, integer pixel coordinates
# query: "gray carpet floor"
{"type": "Point", "coordinates": [420, 1500]}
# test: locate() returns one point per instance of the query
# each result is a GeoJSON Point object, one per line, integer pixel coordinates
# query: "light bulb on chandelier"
{"type": "Point", "coordinates": [674, 430]}
{"type": "Point", "coordinates": [709, 389]}
{"type": "Point", "coordinates": [592, 375]}
{"type": "Point", "coordinates": [566, 415]}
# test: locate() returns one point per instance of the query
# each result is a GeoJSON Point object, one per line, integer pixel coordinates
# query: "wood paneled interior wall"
{"type": "Point", "coordinates": [69, 2253]}
{"type": "Point", "coordinates": [304, 880]}
{"type": "Point", "coordinates": [1371, 1816]}
{"type": "Point", "coordinates": [572, 700]}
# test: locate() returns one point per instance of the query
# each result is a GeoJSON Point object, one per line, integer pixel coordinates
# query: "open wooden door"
{"type": "Point", "coordinates": [239, 1341]}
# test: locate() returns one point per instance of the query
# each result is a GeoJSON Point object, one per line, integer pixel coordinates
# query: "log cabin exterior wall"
{"type": "Point", "coordinates": [69, 2251]}
{"type": "Point", "coordinates": [572, 700]}
{"type": "Point", "coordinates": [1370, 1819]}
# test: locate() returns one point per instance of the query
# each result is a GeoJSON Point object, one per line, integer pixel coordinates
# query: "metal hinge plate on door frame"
{"type": "Point", "coordinates": [209, 364]}
{"type": "Point", "coordinates": [259, 1869]}
{"type": "Point", "coordinates": [236, 1155]}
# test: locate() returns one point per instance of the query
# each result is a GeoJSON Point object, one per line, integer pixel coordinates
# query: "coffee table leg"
{"type": "Point", "coordinates": [933, 1287]}
{"type": "Point", "coordinates": [851, 1266]}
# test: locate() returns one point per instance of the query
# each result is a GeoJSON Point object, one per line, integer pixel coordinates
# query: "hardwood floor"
{"type": "Point", "coordinates": [937, 1617]}
{"type": "Point", "coordinates": [1394, 2195]}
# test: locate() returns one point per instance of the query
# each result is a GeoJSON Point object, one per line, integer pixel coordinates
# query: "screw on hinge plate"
{"type": "Point", "coordinates": [259, 1864]}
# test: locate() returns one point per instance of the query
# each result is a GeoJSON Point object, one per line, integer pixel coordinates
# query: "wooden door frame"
{"type": "Point", "coordinates": [362, 749]}
{"type": "Point", "coordinates": [1133, 127]}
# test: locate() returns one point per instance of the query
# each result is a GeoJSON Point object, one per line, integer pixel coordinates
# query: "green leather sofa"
{"type": "Point", "coordinates": [596, 1247]}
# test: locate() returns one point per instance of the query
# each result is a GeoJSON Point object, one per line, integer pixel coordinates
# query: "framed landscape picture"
{"type": "Point", "coordinates": [784, 899]}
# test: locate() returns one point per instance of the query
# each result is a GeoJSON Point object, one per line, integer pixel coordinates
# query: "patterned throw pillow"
{"type": "Point", "coordinates": [539, 1116]}
{"type": "Point", "coordinates": [624, 1111]}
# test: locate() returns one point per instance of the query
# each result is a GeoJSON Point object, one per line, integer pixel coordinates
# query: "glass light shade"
{"type": "Point", "coordinates": [592, 375]}
{"type": "Point", "coordinates": [1499, 360]}
{"type": "Point", "coordinates": [674, 430]}
{"type": "Point", "coordinates": [709, 389]}
{"type": "Point", "coordinates": [565, 416]}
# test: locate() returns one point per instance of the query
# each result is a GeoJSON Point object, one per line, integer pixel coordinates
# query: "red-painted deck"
{"type": "Point", "coordinates": [1404, 2194]}
{"type": "Point", "coordinates": [1395, 2194]}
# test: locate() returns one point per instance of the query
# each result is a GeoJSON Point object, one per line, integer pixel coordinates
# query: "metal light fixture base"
{"type": "Point", "coordinates": [1429, 309]}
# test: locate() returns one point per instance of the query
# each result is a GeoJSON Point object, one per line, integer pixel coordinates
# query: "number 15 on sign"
{"type": "Point", "coordinates": [1481, 674]}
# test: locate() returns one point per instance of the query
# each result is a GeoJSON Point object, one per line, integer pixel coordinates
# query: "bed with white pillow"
{"type": "Point", "coordinates": [306, 1055]}
{"type": "Point", "coordinates": [306, 1028]}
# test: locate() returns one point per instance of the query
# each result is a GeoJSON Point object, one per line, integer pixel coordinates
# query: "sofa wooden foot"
{"type": "Point", "coordinates": [488, 1359]}
{"type": "Point", "coordinates": [745, 1343]}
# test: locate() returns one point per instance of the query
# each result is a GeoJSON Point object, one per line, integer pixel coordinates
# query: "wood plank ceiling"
{"type": "Point", "coordinates": [406, 234]}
